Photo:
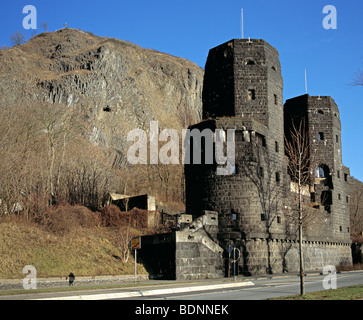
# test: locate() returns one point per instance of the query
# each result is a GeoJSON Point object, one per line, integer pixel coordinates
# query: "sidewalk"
{"type": "Point", "coordinates": [134, 292]}
{"type": "Point", "coordinates": [129, 280]}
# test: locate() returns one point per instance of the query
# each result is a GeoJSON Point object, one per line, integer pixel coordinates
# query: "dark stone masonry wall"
{"type": "Point", "coordinates": [189, 253]}
{"type": "Point", "coordinates": [282, 255]}
{"type": "Point", "coordinates": [330, 192]}
{"type": "Point", "coordinates": [243, 91]}
{"type": "Point", "coordinates": [250, 209]}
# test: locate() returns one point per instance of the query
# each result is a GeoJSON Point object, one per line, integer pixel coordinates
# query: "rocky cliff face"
{"type": "Point", "coordinates": [117, 86]}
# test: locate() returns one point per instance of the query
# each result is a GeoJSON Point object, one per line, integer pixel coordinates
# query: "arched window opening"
{"type": "Point", "coordinates": [250, 62]}
{"type": "Point", "coordinates": [322, 175]}
{"type": "Point", "coordinates": [319, 173]}
{"type": "Point", "coordinates": [322, 171]}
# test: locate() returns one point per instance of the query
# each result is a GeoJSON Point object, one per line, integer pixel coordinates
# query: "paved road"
{"type": "Point", "coordinates": [264, 289]}
{"type": "Point", "coordinates": [269, 288]}
{"type": "Point", "coordinates": [223, 289]}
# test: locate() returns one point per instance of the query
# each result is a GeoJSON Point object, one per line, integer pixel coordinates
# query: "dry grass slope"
{"type": "Point", "coordinates": [83, 251]}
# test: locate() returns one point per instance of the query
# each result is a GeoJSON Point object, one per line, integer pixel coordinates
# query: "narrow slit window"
{"type": "Point", "coordinates": [278, 179]}
{"type": "Point", "coordinates": [321, 136]}
{"type": "Point", "coordinates": [260, 172]}
{"type": "Point", "coordinates": [275, 99]}
{"type": "Point", "coordinates": [260, 140]}
{"type": "Point", "coordinates": [251, 94]}
{"type": "Point", "coordinates": [234, 170]}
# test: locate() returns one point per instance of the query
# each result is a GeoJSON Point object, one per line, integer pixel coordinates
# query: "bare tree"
{"type": "Point", "coordinates": [46, 156]}
{"type": "Point", "coordinates": [356, 209]}
{"type": "Point", "coordinates": [17, 38]}
{"type": "Point", "coordinates": [297, 149]}
{"type": "Point", "coordinates": [44, 25]}
{"type": "Point", "coordinates": [262, 172]}
{"type": "Point", "coordinates": [124, 237]}
{"type": "Point", "coordinates": [17, 155]}
{"type": "Point", "coordinates": [55, 123]}
{"type": "Point", "coordinates": [358, 78]}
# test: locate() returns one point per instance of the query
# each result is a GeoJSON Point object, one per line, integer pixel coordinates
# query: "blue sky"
{"type": "Point", "coordinates": [188, 29]}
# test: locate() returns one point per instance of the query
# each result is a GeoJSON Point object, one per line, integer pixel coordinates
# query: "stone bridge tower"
{"type": "Point", "coordinates": [329, 185]}
{"type": "Point", "coordinates": [243, 91]}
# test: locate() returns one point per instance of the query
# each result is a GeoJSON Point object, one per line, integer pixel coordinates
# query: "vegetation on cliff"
{"type": "Point", "coordinates": [67, 101]}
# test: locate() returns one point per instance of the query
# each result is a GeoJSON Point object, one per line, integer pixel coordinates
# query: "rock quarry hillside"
{"type": "Point", "coordinates": [118, 86]}
{"type": "Point", "coordinates": [113, 85]}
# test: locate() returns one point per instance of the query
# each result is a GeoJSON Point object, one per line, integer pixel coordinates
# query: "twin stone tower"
{"type": "Point", "coordinates": [254, 208]}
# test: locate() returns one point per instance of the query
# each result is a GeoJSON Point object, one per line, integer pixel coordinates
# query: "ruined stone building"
{"type": "Point", "coordinates": [243, 90]}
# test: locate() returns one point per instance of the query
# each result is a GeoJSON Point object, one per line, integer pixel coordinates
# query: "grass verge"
{"type": "Point", "coordinates": [83, 251]}
{"type": "Point", "coordinates": [345, 293]}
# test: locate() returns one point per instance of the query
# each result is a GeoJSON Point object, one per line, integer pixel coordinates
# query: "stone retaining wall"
{"type": "Point", "coordinates": [259, 256]}
{"type": "Point", "coordinates": [16, 284]}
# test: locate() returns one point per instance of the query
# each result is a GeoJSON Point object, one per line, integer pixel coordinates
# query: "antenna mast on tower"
{"type": "Point", "coordinates": [242, 23]}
